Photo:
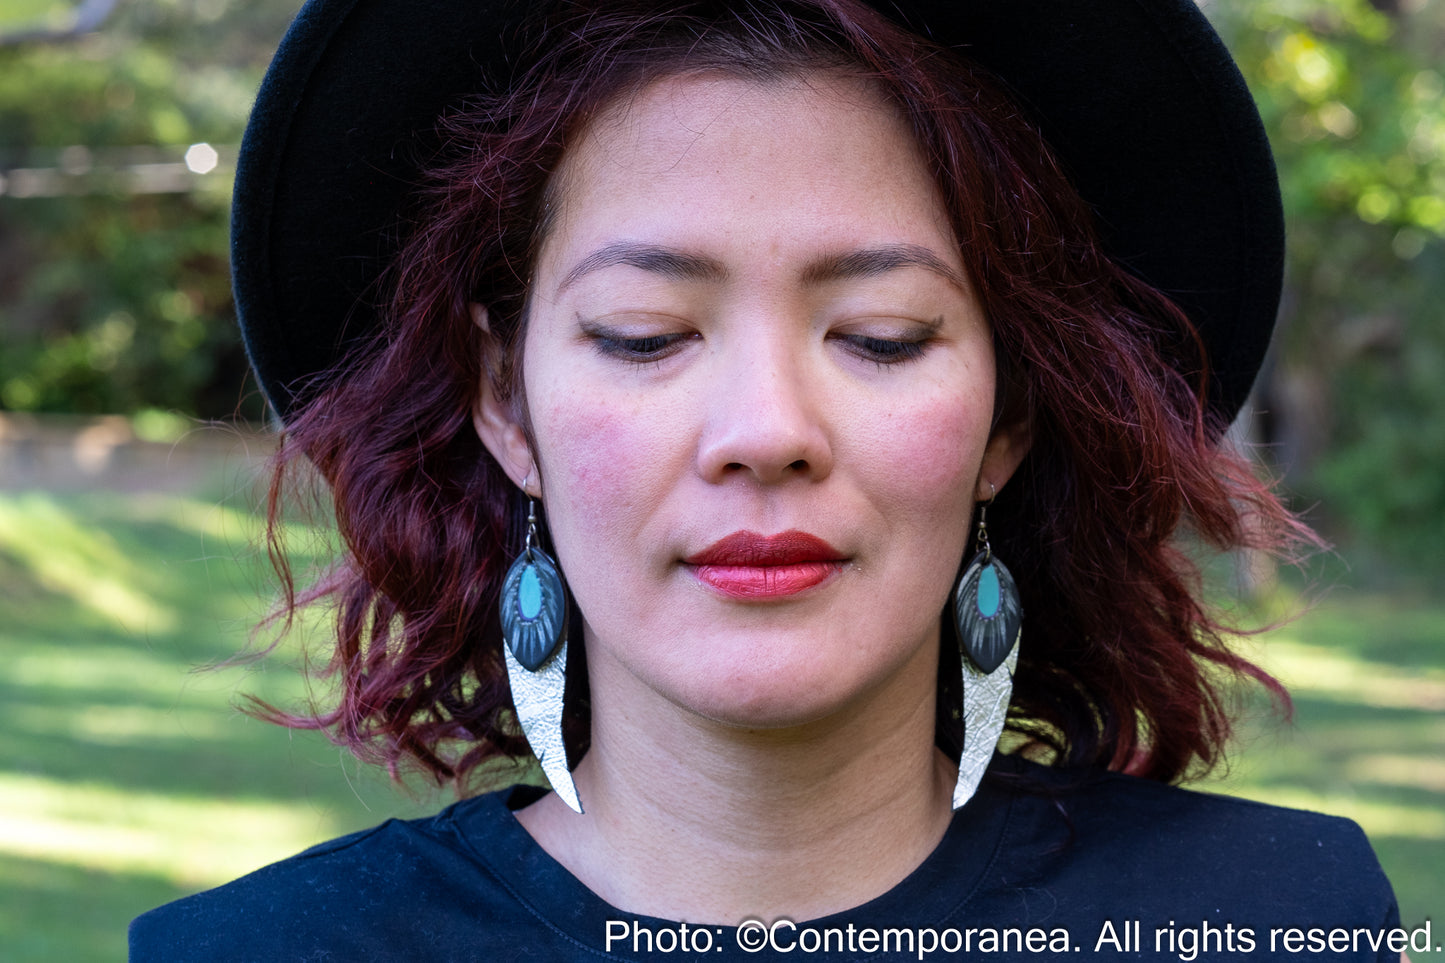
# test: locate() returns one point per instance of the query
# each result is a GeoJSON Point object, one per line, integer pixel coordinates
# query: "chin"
{"type": "Point", "coordinates": [773, 718]}
{"type": "Point", "coordinates": [773, 679]}
{"type": "Point", "coordinates": [776, 695]}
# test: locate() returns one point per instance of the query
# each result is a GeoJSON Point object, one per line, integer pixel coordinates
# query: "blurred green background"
{"type": "Point", "coordinates": [130, 453]}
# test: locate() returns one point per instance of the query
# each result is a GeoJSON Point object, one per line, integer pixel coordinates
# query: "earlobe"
{"type": "Point", "coordinates": [497, 424]}
{"type": "Point", "coordinates": [1005, 451]}
{"type": "Point", "coordinates": [504, 438]}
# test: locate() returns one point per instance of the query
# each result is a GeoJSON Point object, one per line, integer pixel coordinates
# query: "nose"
{"type": "Point", "coordinates": [766, 418]}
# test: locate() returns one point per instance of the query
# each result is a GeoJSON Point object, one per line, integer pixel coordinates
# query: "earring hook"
{"type": "Point", "coordinates": [982, 538]}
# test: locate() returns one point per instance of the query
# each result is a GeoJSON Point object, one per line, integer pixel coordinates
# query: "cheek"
{"type": "Point", "coordinates": [601, 466]}
{"type": "Point", "coordinates": [929, 452]}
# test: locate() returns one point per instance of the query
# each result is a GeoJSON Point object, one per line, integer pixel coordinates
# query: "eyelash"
{"type": "Point", "coordinates": [884, 351]}
{"type": "Point", "coordinates": [652, 348]}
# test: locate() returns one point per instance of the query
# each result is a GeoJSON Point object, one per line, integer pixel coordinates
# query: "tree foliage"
{"type": "Point", "coordinates": [113, 300]}
{"type": "Point", "coordinates": [1352, 95]}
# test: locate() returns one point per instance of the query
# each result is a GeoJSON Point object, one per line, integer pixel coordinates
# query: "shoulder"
{"type": "Point", "coordinates": [1219, 829]}
{"type": "Point", "coordinates": [341, 899]}
{"type": "Point", "coordinates": [1114, 804]}
{"type": "Point", "coordinates": [1115, 844]}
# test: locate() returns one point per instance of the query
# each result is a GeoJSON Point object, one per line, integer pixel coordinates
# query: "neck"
{"type": "Point", "coordinates": [692, 820]}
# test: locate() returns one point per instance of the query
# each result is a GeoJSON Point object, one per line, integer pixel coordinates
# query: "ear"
{"type": "Point", "coordinates": [1005, 450]}
{"type": "Point", "coordinates": [496, 421]}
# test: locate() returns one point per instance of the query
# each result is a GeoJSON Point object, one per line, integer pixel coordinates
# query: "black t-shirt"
{"type": "Point", "coordinates": [1073, 863]}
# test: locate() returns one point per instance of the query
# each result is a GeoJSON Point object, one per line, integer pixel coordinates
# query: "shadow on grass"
{"type": "Point", "coordinates": [128, 777]}
{"type": "Point", "coordinates": [45, 905]}
{"type": "Point", "coordinates": [1367, 741]}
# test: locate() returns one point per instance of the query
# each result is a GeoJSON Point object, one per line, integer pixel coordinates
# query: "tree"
{"type": "Point", "coordinates": [1355, 397]}
{"type": "Point", "coordinates": [114, 288]}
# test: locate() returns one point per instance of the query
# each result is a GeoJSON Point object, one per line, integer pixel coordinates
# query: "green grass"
{"type": "Point", "coordinates": [1367, 740]}
{"type": "Point", "coordinates": [127, 775]}
{"type": "Point", "coordinates": [129, 778]}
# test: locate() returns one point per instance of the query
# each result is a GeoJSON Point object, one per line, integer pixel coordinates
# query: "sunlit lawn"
{"type": "Point", "coordinates": [1367, 675]}
{"type": "Point", "coordinates": [127, 778]}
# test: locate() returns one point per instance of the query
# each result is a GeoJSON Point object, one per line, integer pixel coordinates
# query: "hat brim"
{"type": "Point", "coordinates": [1139, 99]}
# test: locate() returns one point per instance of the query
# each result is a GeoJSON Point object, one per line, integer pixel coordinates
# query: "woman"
{"type": "Point", "coordinates": [687, 399]}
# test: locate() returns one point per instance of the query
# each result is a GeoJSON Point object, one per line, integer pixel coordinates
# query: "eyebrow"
{"type": "Point", "coordinates": [666, 262]}
{"type": "Point", "coordinates": [675, 265]}
{"type": "Point", "coordinates": [871, 262]}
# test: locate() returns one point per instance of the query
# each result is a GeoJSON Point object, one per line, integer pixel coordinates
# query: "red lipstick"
{"type": "Point", "coordinates": [746, 565]}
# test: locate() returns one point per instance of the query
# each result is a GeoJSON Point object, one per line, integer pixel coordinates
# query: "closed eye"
{"type": "Point", "coordinates": [884, 351]}
{"type": "Point", "coordinates": [652, 347]}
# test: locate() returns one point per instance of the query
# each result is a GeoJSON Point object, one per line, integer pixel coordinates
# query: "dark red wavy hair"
{"type": "Point", "coordinates": [1121, 659]}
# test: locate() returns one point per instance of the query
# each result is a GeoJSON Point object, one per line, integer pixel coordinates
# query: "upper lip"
{"type": "Point", "coordinates": [750, 548]}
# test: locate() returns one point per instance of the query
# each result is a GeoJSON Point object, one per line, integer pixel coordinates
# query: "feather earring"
{"type": "Point", "coordinates": [534, 630]}
{"type": "Point", "coordinates": [988, 619]}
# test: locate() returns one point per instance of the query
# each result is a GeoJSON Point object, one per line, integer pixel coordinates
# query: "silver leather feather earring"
{"type": "Point", "coordinates": [534, 628]}
{"type": "Point", "coordinates": [989, 619]}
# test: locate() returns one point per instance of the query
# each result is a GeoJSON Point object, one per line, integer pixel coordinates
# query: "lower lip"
{"type": "Point", "coordinates": [765, 581]}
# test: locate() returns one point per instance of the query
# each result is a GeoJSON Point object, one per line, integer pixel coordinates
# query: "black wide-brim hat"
{"type": "Point", "coordinates": [1139, 99]}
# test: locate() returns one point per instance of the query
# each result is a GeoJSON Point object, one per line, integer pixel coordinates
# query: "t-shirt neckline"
{"type": "Point", "coordinates": [934, 894]}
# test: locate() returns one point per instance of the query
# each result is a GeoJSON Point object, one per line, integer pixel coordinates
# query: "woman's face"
{"type": "Point", "coordinates": [760, 391]}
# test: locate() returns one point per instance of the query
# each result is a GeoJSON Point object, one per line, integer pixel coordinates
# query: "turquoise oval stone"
{"type": "Point", "coordinates": [529, 593]}
{"type": "Point", "coordinates": [988, 592]}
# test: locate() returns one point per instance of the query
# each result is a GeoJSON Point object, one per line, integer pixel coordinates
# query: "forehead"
{"type": "Point", "coordinates": [813, 98]}
{"type": "Point", "coordinates": [707, 153]}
